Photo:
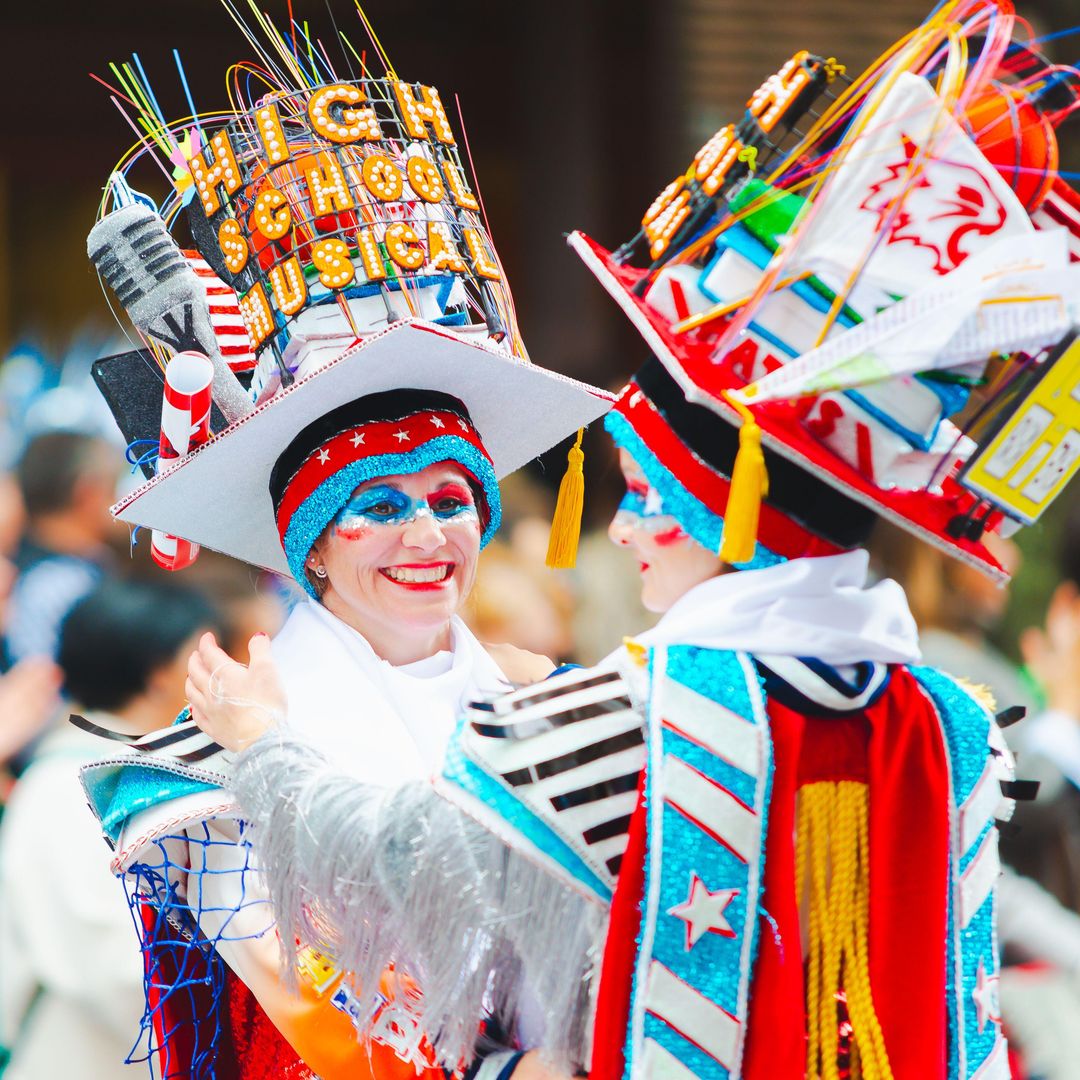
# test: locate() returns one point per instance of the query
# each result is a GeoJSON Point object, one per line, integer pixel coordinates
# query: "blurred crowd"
{"type": "Point", "coordinates": [90, 625]}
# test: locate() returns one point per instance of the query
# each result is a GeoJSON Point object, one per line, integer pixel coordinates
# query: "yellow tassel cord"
{"type": "Point", "coordinates": [832, 849]}
{"type": "Point", "coordinates": [749, 485]}
{"type": "Point", "coordinates": [566, 524]}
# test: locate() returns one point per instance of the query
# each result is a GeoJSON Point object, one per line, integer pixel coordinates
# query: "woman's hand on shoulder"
{"type": "Point", "coordinates": [234, 703]}
{"type": "Point", "coordinates": [519, 665]}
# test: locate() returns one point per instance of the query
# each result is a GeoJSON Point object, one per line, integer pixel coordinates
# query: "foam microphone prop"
{"type": "Point", "coordinates": [141, 262]}
{"type": "Point", "coordinates": [185, 425]}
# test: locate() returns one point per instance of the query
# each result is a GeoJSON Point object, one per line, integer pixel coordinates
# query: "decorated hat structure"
{"type": "Point", "coordinates": [320, 243]}
{"type": "Point", "coordinates": [862, 301]}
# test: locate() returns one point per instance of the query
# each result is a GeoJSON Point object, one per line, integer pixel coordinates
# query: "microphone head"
{"type": "Point", "coordinates": [161, 292]}
{"type": "Point", "coordinates": [141, 262]}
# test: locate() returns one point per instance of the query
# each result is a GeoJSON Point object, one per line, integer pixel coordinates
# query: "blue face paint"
{"type": "Point", "coordinates": [642, 508]}
{"type": "Point", "coordinates": [386, 505]}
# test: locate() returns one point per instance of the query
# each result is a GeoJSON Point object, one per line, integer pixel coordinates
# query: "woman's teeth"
{"type": "Point", "coordinates": [417, 575]}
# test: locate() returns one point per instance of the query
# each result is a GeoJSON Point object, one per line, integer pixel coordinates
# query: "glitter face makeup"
{"type": "Point", "coordinates": [671, 562]}
{"type": "Point", "coordinates": [401, 555]}
{"type": "Point", "coordinates": [642, 508]}
{"type": "Point", "coordinates": [384, 504]}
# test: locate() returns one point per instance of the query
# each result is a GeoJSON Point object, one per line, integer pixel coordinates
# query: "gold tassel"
{"type": "Point", "coordinates": [832, 863]}
{"type": "Point", "coordinates": [566, 524]}
{"type": "Point", "coordinates": [749, 485]}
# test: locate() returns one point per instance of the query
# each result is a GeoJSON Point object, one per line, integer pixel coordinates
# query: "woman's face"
{"type": "Point", "coordinates": [671, 562]}
{"type": "Point", "coordinates": [401, 556]}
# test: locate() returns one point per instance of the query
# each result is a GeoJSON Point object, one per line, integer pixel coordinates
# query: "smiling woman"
{"type": "Point", "coordinates": [393, 556]}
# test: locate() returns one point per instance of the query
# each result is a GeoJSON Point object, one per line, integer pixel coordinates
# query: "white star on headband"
{"type": "Point", "coordinates": [462, 424]}
{"type": "Point", "coordinates": [401, 436]}
{"type": "Point", "coordinates": [357, 439]}
{"type": "Point", "coordinates": [324, 456]}
{"type": "Point", "coordinates": [437, 422]}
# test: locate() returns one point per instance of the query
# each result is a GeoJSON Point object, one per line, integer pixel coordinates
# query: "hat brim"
{"type": "Point", "coordinates": [218, 496]}
{"type": "Point", "coordinates": [922, 513]}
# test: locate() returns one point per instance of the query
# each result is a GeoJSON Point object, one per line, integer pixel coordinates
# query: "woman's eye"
{"type": "Point", "coordinates": [449, 504]}
{"type": "Point", "coordinates": [381, 509]}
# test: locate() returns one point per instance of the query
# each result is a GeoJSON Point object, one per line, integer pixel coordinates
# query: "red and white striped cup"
{"type": "Point", "coordinates": [185, 426]}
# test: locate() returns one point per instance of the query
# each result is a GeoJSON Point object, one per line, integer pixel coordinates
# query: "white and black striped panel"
{"type": "Point", "coordinates": [572, 750]}
{"type": "Point", "coordinates": [183, 742]}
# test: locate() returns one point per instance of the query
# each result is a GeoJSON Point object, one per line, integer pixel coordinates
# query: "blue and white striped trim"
{"type": "Point", "coordinates": [709, 775]}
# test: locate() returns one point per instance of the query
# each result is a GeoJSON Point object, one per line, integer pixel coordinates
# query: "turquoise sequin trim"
{"type": "Point", "coordinates": [324, 503]}
{"type": "Point", "coordinates": [700, 523]}
{"type": "Point", "coordinates": [965, 725]}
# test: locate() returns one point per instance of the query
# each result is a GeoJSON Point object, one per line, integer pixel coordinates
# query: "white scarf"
{"type": "Point", "coordinates": [383, 724]}
{"type": "Point", "coordinates": [819, 607]}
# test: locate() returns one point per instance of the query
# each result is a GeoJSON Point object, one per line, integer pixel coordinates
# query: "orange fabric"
{"type": "Point", "coordinates": [309, 1030]}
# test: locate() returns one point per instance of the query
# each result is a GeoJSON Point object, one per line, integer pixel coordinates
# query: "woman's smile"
{"type": "Point", "coordinates": [419, 575]}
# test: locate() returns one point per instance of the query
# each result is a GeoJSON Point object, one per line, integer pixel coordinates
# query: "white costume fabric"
{"type": "Point", "coordinates": [383, 724]}
{"type": "Point", "coordinates": [820, 607]}
{"type": "Point", "coordinates": [65, 928]}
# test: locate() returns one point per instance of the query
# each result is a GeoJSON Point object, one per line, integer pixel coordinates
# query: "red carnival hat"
{"type": "Point", "coordinates": [873, 279]}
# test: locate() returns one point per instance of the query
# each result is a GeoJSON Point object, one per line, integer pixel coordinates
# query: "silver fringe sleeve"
{"type": "Point", "coordinates": [374, 877]}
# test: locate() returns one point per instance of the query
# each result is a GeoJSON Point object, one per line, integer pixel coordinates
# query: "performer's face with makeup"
{"type": "Point", "coordinates": [671, 562]}
{"type": "Point", "coordinates": [401, 555]}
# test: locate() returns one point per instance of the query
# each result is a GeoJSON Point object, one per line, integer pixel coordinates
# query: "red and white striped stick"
{"type": "Point", "coordinates": [185, 425]}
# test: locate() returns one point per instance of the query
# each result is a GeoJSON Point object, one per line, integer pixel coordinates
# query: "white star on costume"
{"type": "Point", "coordinates": [324, 456]}
{"type": "Point", "coordinates": [703, 911]}
{"type": "Point", "coordinates": [357, 439]}
{"type": "Point", "coordinates": [985, 996]}
{"type": "Point", "coordinates": [401, 436]}
{"type": "Point", "coordinates": [653, 503]}
{"type": "Point", "coordinates": [436, 421]}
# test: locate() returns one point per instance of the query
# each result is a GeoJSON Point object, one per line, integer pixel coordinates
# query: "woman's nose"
{"type": "Point", "coordinates": [619, 532]}
{"type": "Point", "coordinates": [423, 533]}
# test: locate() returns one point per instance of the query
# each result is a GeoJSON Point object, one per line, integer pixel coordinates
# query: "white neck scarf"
{"type": "Point", "coordinates": [383, 724]}
{"type": "Point", "coordinates": [819, 607]}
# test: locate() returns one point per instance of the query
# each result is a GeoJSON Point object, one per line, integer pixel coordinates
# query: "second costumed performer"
{"type": "Point", "coordinates": [388, 391]}
{"type": "Point", "coordinates": [788, 823]}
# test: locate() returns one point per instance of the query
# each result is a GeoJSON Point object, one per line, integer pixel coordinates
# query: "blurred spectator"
{"type": "Point", "coordinates": [12, 516]}
{"type": "Point", "coordinates": [29, 692]}
{"type": "Point", "coordinates": [519, 602]}
{"type": "Point", "coordinates": [249, 601]}
{"type": "Point", "coordinates": [956, 607]}
{"type": "Point", "coordinates": [67, 481]}
{"type": "Point", "coordinates": [71, 982]}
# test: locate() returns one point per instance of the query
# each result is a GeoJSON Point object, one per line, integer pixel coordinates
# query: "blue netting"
{"type": "Point", "coordinates": [187, 893]}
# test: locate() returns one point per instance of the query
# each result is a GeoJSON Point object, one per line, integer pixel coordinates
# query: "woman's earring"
{"type": "Point", "coordinates": [320, 571]}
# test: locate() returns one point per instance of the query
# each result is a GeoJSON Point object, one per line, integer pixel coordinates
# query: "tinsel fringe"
{"type": "Point", "coordinates": [375, 877]}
